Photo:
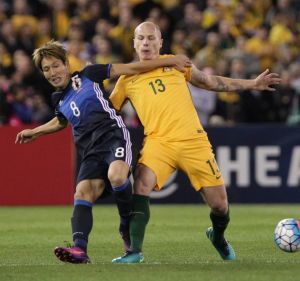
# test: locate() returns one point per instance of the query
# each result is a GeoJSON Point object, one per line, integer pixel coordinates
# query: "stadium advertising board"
{"type": "Point", "coordinates": [260, 164]}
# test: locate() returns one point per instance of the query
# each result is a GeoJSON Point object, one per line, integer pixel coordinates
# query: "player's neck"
{"type": "Point", "coordinates": [152, 58]}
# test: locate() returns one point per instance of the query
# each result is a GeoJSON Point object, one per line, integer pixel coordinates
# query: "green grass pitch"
{"type": "Point", "coordinates": [175, 248]}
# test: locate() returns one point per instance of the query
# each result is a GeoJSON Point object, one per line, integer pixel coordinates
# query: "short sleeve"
{"type": "Point", "coordinates": [188, 73]}
{"type": "Point", "coordinates": [97, 72]}
{"type": "Point", "coordinates": [118, 95]}
{"type": "Point", "coordinates": [60, 116]}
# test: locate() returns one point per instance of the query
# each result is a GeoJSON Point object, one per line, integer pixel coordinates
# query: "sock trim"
{"type": "Point", "coordinates": [81, 243]}
{"type": "Point", "coordinates": [121, 187]}
{"type": "Point", "coordinates": [82, 202]}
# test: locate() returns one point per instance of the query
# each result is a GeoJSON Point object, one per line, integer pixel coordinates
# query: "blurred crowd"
{"type": "Point", "coordinates": [238, 39]}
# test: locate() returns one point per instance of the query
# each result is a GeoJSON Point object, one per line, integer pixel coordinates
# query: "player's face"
{"type": "Point", "coordinates": [56, 72]}
{"type": "Point", "coordinates": [147, 42]}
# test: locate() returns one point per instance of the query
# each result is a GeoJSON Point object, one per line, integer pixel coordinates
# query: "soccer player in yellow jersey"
{"type": "Point", "coordinates": [175, 138]}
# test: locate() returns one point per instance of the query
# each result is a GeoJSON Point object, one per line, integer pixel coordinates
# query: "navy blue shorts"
{"type": "Point", "coordinates": [94, 159]}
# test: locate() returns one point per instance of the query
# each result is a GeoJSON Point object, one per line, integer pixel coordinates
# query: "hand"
{"type": "Point", "coordinates": [25, 136]}
{"type": "Point", "coordinates": [265, 80]}
{"type": "Point", "coordinates": [181, 61]}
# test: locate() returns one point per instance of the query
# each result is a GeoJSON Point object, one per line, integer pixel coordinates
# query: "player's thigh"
{"type": "Point", "coordinates": [94, 167]}
{"type": "Point", "coordinates": [198, 161]}
{"type": "Point", "coordinates": [144, 180]}
{"type": "Point", "coordinates": [160, 158]}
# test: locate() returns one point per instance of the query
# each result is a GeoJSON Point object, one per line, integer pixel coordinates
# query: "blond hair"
{"type": "Point", "coordinates": [50, 49]}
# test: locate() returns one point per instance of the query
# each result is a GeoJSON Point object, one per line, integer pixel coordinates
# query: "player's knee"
{"type": "Point", "coordinates": [118, 173]}
{"type": "Point", "coordinates": [142, 188]}
{"type": "Point", "coordinates": [83, 193]}
{"type": "Point", "coordinates": [117, 179]}
{"type": "Point", "coordinates": [219, 207]}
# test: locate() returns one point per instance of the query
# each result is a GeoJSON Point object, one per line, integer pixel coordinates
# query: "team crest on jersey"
{"type": "Point", "coordinates": [76, 83]}
{"type": "Point", "coordinates": [166, 69]}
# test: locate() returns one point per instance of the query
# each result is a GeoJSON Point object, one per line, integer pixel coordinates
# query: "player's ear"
{"type": "Point", "coordinates": [161, 43]}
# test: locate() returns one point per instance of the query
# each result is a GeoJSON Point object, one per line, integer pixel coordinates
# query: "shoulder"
{"type": "Point", "coordinates": [124, 79]}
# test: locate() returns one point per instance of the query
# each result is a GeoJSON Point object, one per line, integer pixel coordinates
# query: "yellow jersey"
{"type": "Point", "coordinates": [163, 103]}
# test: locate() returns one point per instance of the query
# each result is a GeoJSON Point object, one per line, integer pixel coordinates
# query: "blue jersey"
{"type": "Point", "coordinates": [85, 104]}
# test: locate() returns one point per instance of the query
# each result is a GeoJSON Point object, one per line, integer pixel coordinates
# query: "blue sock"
{"type": "Point", "coordinates": [123, 195]}
{"type": "Point", "coordinates": [82, 223]}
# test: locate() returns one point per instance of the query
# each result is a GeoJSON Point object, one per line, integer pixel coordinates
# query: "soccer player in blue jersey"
{"type": "Point", "coordinates": [102, 140]}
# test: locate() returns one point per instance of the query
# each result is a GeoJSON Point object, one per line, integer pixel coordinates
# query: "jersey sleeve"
{"type": "Point", "coordinates": [188, 73]}
{"type": "Point", "coordinates": [97, 72]}
{"type": "Point", "coordinates": [55, 98]}
{"type": "Point", "coordinates": [60, 116]}
{"type": "Point", "coordinates": [118, 95]}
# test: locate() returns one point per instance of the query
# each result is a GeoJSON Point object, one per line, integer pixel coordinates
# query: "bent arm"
{"type": "Point", "coordinates": [143, 66]}
{"type": "Point", "coordinates": [54, 125]}
{"type": "Point", "coordinates": [28, 135]}
{"type": "Point", "coordinates": [225, 84]}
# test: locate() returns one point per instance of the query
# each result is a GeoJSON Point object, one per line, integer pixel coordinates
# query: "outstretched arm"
{"type": "Point", "coordinates": [264, 81]}
{"type": "Point", "coordinates": [29, 135]}
{"type": "Point", "coordinates": [179, 62]}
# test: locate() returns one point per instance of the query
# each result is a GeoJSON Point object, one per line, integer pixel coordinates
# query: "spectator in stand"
{"type": "Point", "coordinates": [123, 31]}
{"type": "Point", "coordinates": [60, 17]}
{"type": "Point", "coordinates": [96, 10]}
{"type": "Point", "coordinates": [226, 39]}
{"type": "Point", "coordinates": [41, 111]}
{"type": "Point", "coordinates": [20, 106]}
{"type": "Point", "coordinates": [5, 61]}
{"type": "Point", "coordinates": [260, 46]}
{"type": "Point", "coordinates": [103, 27]}
{"type": "Point", "coordinates": [211, 53]}
{"type": "Point", "coordinates": [22, 16]}
{"type": "Point", "coordinates": [192, 17]}
{"type": "Point", "coordinates": [103, 50]}
{"type": "Point", "coordinates": [78, 49]}
{"type": "Point", "coordinates": [4, 105]}
{"type": "Point", "coordinates": [8, 36]}
{"type": "Point", "coordinates": [281, 32]}
{"type": "Point", "coordinates": [180, 44]}
{"type": "Point", "coordinates": [264, 34]}
{"type": "Point", "coordinates": [29, 77]}
{"type": "Point", "coordinates": [4, 7]}
{"type": "Point", "coordinates": [104, 55]}
{"type": "Point", "coordinates": [239, 52]}
{"type": "Point", "coordinates": [44, 32]}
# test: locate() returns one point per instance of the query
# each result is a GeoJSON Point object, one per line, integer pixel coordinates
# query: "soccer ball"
{"type": "Point", "coordinates": [287, 235]}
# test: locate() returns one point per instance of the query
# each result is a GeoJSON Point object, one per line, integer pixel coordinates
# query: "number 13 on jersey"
{"type": "Point", "coordinates": [157, 86]}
